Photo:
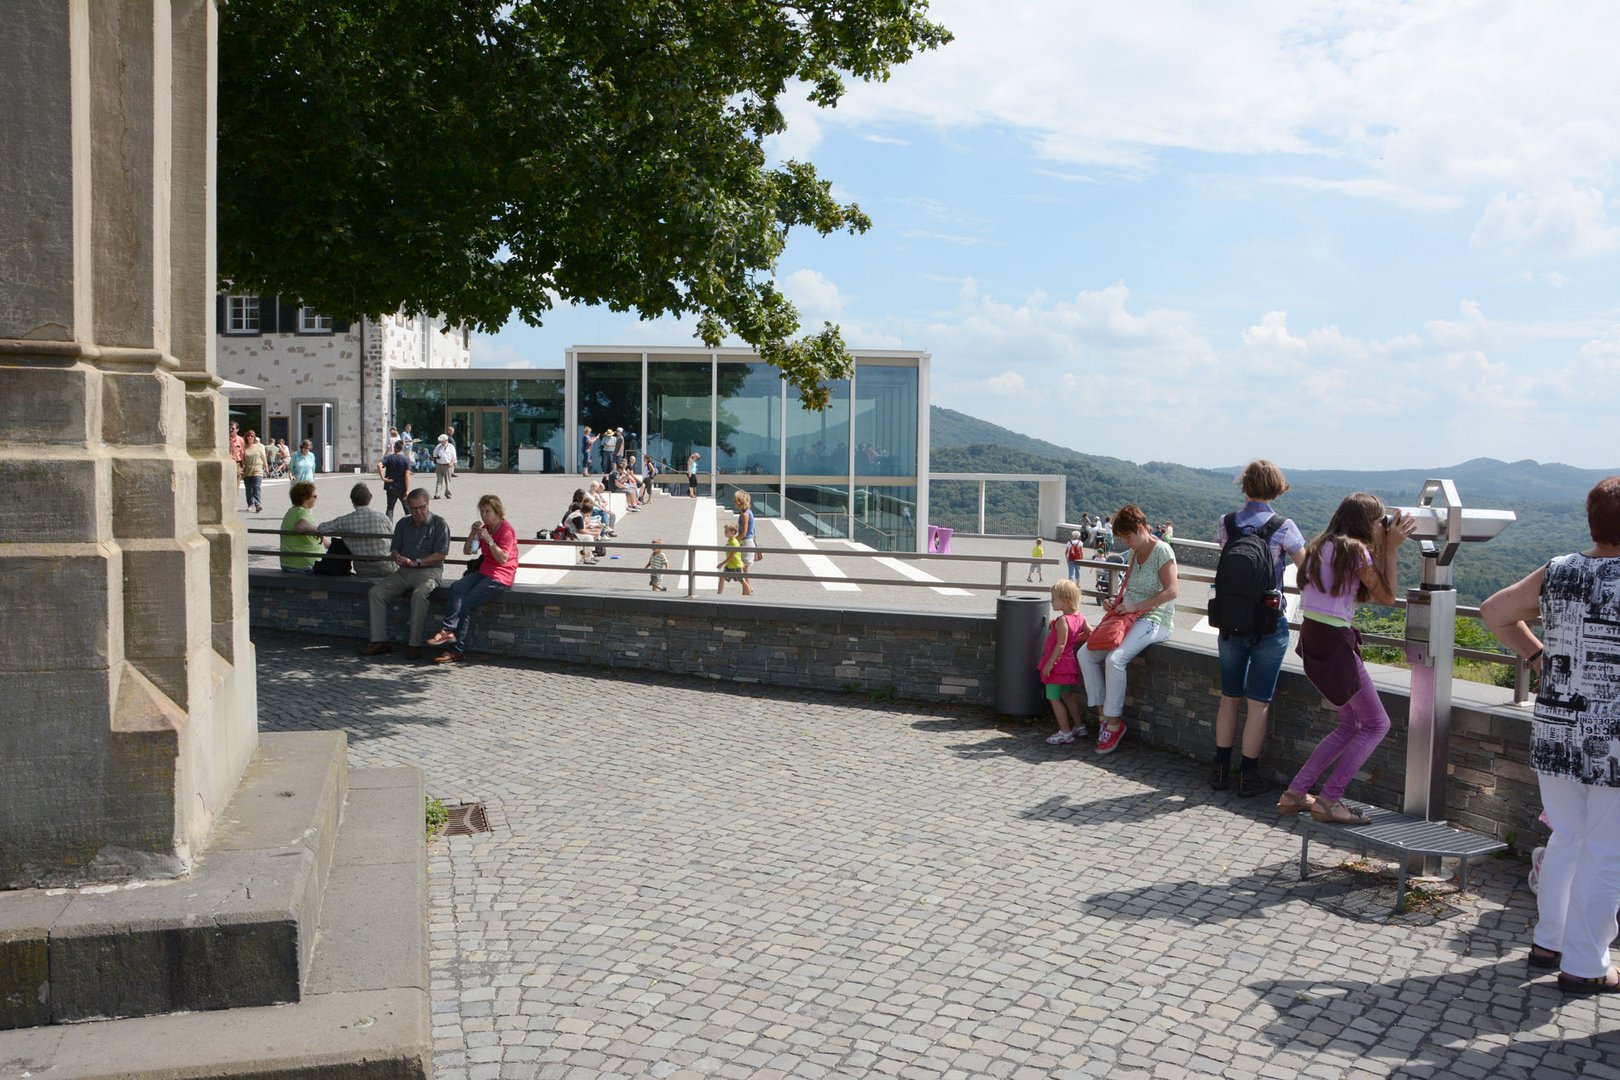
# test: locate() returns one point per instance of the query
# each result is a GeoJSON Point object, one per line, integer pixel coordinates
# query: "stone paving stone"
{"type": "Point", "coordinates": [694, 878]}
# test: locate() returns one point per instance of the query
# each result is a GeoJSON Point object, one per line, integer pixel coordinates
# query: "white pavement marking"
{"type": "Point", "coordinates": [551, 563]}
{"type": "Point", "coordinates": [702, 534]}
{"type": "Point", "coordinates": [904, 569]}
{"type": "Point", "coordinates": [819, 566]}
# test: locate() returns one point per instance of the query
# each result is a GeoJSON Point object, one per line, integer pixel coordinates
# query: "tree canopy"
{"type": "Point", "coordinates": [477, 158]}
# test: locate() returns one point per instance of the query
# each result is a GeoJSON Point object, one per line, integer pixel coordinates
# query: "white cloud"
{"type": "Point", "coordinates": [816, 297]}
{"type": "Point", "coordinates": [486, 351]}
{"type": "Point", "coordinates": [1422, 105]}
{"type": "Point", "coordinates": [1565, 220]}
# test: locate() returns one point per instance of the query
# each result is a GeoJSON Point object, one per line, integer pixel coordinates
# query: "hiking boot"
{"type": "Point", "coordinates": [1251, 784]}
{"type": "Point", "coordinates": [1220, 777]}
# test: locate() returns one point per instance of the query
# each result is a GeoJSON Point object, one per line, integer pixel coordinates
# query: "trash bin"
{"type": "Point", "coordinates": [1020, 622]}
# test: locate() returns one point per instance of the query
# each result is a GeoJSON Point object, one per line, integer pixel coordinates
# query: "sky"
{"type": "Point", "coordinates": [1337, 235]}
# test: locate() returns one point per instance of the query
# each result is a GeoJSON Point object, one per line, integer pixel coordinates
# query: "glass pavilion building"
{"type": "Point", "coordinates": [858, 470]}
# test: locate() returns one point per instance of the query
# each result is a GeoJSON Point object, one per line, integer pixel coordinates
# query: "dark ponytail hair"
{"type": "Point", "coordinates": [1352, 534]}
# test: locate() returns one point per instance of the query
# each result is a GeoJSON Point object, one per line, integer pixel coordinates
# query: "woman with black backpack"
{"type": "Point", "coordinates": [1247, 607]}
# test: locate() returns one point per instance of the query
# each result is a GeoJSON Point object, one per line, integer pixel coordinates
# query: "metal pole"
{"type": "Point", "coordinates": [691, 572]}
{"type": "Point", "coordinates": [981, 523]}
{"type": "Point", "coordinates": [1003, 577]}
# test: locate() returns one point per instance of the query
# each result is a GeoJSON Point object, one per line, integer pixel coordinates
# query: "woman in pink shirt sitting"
{"type": "Point", "coordinates": [493, 536]}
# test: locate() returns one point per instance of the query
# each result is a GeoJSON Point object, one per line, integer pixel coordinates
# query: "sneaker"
{"type": "Point", "coordinates": [1059, 737]}
{"type": "Point", "coordinates": [1251, 784]}
{"type": "Point", "coordinates": [1108, 738]}
{"type": "Point", "coordinates": [1220, 777]}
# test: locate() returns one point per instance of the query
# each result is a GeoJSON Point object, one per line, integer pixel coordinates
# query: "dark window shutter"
{"type": "Point", "coordinates": [340, 326]}
{"type": "Point", "coordinates": [219, 314]}
{"type": "Point", "coordinates": [288, 323]}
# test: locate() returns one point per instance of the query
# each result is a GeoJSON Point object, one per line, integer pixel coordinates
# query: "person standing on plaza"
{"type": "Point", "coordinates": [733, 567]}
{"type": "Point", "coordinates": [1074, 555]}
{"type": "Point", "coordinates": [1354, 560]}
{"type": "Point", "coordinates": [444, 462]}
{"type": "Point", "coordinates": [301, 542]}
{"type": "Point", "coordinates": [253, 470]}
{"type": "Point", "coordinates": [395, 470]}
{"type": "Point", "coordinates": [1251, 660]}
{"type": "Point", "coordinates": [1036, 554]}
{"type": "Point", "coordinates": [1060, 667]}
{"type": "Point", "coordinates": [303, 463]}
{"type": "Point", "coordinates": [1574, 743]}
{"type": "Point", "coordinates": [1149, 594]}
{"type": "Point", "coordinates": [364, 533]}
{"type": "Point", "coordinates": [492, 537]}
{"type": "Point", "coordinates": [587, 443]}
{"type": "Point", "coordinates": [691, 474]}
{"type": "Point", "coordinates": [234, 445]}
{"type": "Point", "coordinates": [658, 562]}
{"type": "Point", "coordinates": [744, 505]}
{"type": "Point", "coordinates": [407, 437]}
{"type": "Point", "coordinates": [420, 545]}
{"type": "Point", "coordinates": [610, 450]}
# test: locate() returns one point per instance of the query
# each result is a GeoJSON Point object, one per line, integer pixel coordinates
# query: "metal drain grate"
{"type": "Point", "coordinates": [466, 819]}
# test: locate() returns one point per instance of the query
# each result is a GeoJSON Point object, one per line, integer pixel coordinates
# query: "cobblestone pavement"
{"type": "Point", "coordinates": [691, 879]}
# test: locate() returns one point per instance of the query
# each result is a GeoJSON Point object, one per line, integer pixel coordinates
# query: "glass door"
{"type": "Point", "coordinates": [480, 438]}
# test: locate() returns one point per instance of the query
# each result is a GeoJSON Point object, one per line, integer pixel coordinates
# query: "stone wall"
{"type": "Point", "coordinates": [941, 657]}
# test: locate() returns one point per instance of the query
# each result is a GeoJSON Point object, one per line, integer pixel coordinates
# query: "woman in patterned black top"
{"type": "Point", "coordinates": [1575, 742]}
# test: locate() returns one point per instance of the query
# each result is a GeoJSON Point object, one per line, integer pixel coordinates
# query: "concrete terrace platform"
{"type": "Point", "coordinates": [819, 569]}
{"type": "Point", "coordinates": [689, 880]}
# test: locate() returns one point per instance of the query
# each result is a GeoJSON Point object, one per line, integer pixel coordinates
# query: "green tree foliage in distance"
{"type": "Point", "coordinates": [1550, 500]}
{"type": "Point", "coordinates": [479, 157]}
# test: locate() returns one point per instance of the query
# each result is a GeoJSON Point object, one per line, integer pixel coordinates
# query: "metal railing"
{"type": "Point", "coordinates": [1005, 563]}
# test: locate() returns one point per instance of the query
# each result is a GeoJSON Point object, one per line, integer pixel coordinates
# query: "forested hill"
{"type": "Point", "coordinates": [1549, 499]}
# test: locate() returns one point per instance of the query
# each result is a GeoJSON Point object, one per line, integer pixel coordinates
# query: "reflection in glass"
{"type": "Point", "coordinates": [678, 413]}
{"type": "Point", "coordinates": [819, 510]}
{"type": "Point", "coordinates": [767, 499]}
{"type": "Point", "coordinates": [420, 403]}
{"type": "Point", "coordinates": [535, 420]}
{"type": "Point", "coordinates": [885, 421]}
{"type": "Point", "coordinates": [476, 392]}
{"type": "Point", "coordinates": [749, 433]}
{"type": "Point", "coordinates": [610, 396]}
{"type": "Point", "coordinates": [818, 442]}
{"type": "Point", "coordinates": [886, 517]}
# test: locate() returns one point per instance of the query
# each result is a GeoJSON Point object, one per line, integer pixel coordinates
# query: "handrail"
{"type": "Point", "coordinates": [1521, 670]}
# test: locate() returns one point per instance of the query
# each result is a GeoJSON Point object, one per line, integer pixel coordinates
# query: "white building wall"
{"type": "Point", "coordinates": [348, 370]}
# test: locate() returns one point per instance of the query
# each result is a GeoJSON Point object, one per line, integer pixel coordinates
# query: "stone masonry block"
{"type": "Point", "coordinates": [59, 500]}
{"type": "Point", "coordinates": [207, 423]}
{"type": "Point", "coordinates": [49, 404]}
{"type": "Point", "coordinates": [66, 615]}
{"type": "Point", "coordinates": [167, 603]}
{"type": "Point", "coordinates": [154, 496]}
{"type": "Point", "coordinates": [142, 408]}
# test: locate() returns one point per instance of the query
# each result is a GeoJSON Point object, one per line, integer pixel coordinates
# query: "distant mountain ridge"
{"type": "Point", "coordinates": [1550, 499]}
{"type": "Point", "coordinates": [1505, 482]}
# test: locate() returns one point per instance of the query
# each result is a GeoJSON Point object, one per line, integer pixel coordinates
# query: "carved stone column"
{"type": "Point", "coordinates": [126, 672]}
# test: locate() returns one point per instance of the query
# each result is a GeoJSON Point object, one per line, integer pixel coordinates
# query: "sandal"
{"type": "Point", "coordinates": [1544, 958]}
{"type": "Point", "coordinates": [1294, 804]}
{"type": "Point", "coordinates": [1337, 812]}
{"type": "Point", "coordinates": [1605, 984]}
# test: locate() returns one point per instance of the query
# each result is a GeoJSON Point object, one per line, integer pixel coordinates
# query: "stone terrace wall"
{"type": "Point", "coordinates": [926, 656]}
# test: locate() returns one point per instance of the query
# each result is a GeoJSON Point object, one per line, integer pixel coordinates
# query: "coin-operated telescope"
{"type": "Point", "coordinates": [1443, 526]}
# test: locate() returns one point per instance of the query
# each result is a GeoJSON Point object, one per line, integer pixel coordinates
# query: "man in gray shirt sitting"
{"type": "Point", "coordinates": [421, 542]}
{"type": "Point", "coordinates": [365, 533]}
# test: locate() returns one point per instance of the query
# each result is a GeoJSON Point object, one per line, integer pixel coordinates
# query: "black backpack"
{"type": "Point", "coordinates": [1245, 602]}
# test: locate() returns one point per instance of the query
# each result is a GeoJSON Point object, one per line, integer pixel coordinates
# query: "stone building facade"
{"type": "Point", "coordinates": [307, 375]}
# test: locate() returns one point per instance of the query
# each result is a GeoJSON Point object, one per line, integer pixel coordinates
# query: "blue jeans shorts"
{"type": "Point", "coordinates": [1250, 669]}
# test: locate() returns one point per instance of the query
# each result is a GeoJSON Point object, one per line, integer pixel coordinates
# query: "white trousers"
{"type": "Point", "coordinates": [1579, 888]}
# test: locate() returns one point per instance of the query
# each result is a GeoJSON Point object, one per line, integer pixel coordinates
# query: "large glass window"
{"type": "Point", "coordinates": [491, 392]}
{"type": "Point", "coordinates": [886, 517]}
{"type": "Point", "coordinates": [818, 442]}
{"type": "Point", "coordinates": [535, 415]}
{"type": "Point", "coordinates": [885, 421]}
{"type": "Point", "coordinates": [249, 416]}
{"type": "Point", "coordinates": [766, 500]}
{"type": "Point", "coordinates": [749, 432]}
{"type": "Point", "coordinates": [821, 511]}
{"type": "Point", "coordinates": [420, 403]}
{"type": "Point", "coordinates": [678, 413]}
{"type": "Point", "coordinates": [610, 396]}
